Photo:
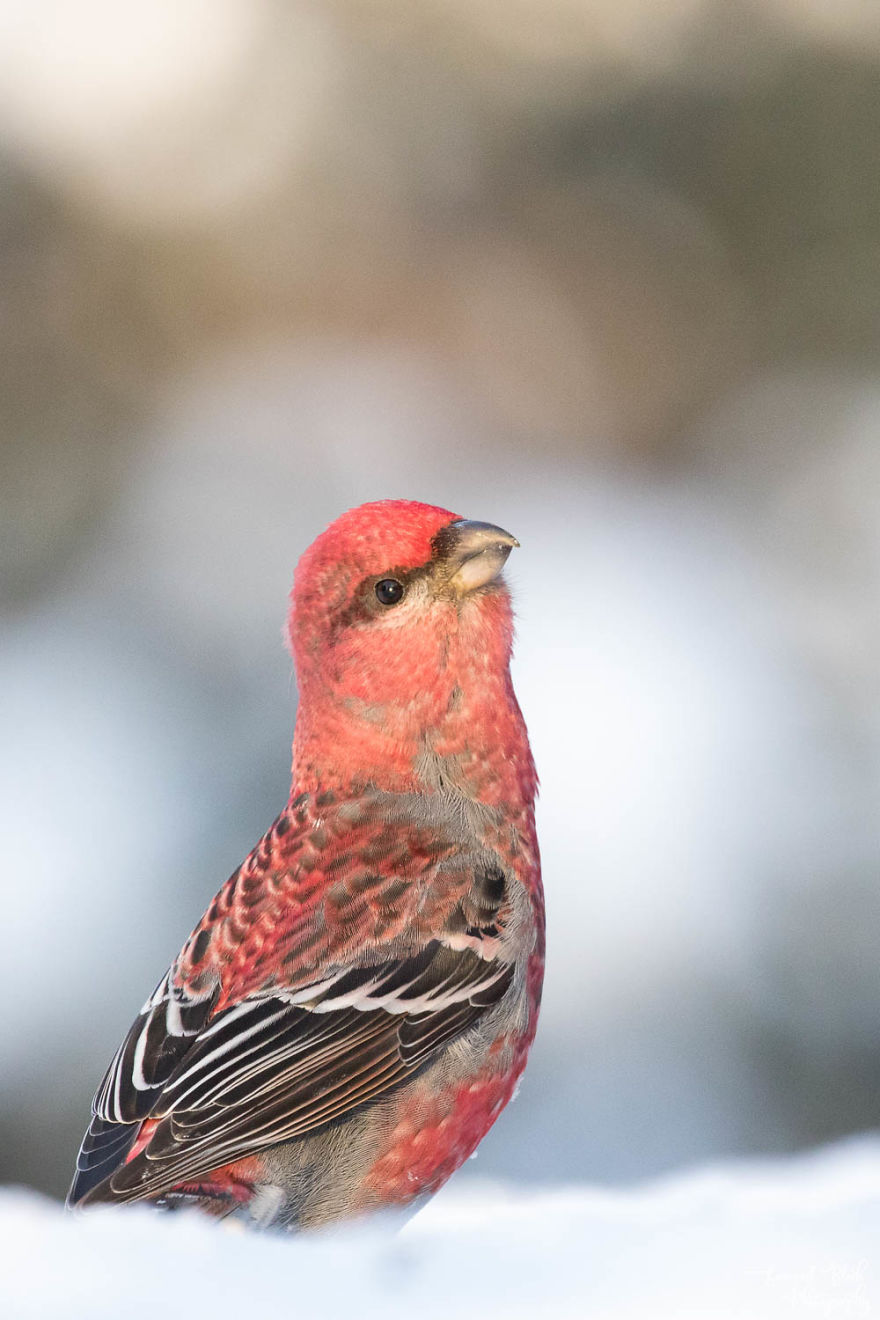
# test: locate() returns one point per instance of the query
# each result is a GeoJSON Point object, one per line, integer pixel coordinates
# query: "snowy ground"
{"type": "Point", "coordinates": [776, 1239]}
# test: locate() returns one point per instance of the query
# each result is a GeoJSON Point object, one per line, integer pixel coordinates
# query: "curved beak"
{"type": "Point", "coordinates": [472, 554]}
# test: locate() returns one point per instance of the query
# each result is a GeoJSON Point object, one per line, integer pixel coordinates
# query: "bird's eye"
{"type": "Point", "coordinates": [389, 591]}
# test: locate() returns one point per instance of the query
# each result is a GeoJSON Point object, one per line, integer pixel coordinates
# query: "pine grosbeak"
{"type": "Point", "coordinates": [355, 1008]}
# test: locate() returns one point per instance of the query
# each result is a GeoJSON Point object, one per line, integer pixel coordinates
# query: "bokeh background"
{"type": "Point", "coordinates": [606, 272]}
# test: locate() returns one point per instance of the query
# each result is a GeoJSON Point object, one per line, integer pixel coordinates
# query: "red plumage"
{"type": "Point", "coordinates": [355, 1007]}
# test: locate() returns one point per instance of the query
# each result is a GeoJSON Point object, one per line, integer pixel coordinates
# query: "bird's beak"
{"type": "Point", "coordinates": [472, 554]}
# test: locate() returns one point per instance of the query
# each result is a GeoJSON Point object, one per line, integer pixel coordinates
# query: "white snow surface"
{"type": "Point", "coordinates": [789, 1237]}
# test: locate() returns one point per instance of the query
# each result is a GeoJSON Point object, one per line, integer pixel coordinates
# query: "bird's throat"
{"type": "Point", "coordinates": [455, 740]}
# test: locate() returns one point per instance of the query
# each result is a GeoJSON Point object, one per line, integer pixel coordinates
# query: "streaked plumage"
{"type": "Point", "coordinates": [357, 1004]}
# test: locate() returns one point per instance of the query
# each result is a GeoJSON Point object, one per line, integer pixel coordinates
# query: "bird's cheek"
{"type": "Point", "coordinates": [396, 671]}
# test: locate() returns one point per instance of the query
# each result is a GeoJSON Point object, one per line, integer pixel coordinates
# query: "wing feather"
{"type": "Point", "coordinates": [372, 971]}
{"type": "Point", "coordinates": [267, 1070]}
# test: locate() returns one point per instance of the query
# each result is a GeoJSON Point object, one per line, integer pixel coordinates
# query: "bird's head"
{"type": "Point", "coordinates": [398, 611]}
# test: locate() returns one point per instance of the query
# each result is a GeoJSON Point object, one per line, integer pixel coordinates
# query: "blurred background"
{"type": "Point", "coordinates": [606, 272]}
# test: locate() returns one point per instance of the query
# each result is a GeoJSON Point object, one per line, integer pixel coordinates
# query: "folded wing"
{"type": "Point", "coordinates": [219, 1086]}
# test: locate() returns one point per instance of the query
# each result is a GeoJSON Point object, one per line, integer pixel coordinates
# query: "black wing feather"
{"type": "Point", "coordinates": [268, 1070]}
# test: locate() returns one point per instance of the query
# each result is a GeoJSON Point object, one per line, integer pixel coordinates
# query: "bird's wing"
{"type": "Point", "coordinates": [331, 1025]}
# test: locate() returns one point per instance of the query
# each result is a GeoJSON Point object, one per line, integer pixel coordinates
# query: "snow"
{"type": "Point", "coordinates": [793, 1237]}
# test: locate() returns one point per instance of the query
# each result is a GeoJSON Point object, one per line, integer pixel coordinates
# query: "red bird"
{"type": "Point", "coordinates": [353, 1011]}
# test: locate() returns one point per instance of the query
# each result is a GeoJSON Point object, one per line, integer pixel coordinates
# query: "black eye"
{"type": "Point", "coordinates": [389, 591]}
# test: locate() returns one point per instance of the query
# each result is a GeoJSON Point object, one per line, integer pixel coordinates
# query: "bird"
{"type": "Point", "coordinates": [357, 1004]}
